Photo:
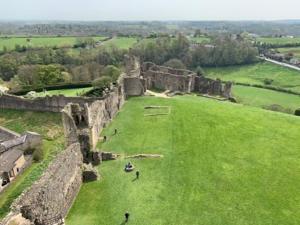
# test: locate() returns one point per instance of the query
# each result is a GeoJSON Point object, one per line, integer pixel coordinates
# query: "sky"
{"type": "Point", "coordinates": [87, 10]}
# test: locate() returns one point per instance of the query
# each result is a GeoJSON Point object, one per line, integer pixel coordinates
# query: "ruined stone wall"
{"type": "Point", "coordinates": [134, 86]}
{"type": "Point", "coordinates": [45, 104]}
{"type": "Point", "coordinates": [52, 195]}
{"type": "Point", "coordinates": [167, 81]}
{"type": "Point", "coordinates": [165, 78]}
{"type": "Point", "coordinates": [103, 111]}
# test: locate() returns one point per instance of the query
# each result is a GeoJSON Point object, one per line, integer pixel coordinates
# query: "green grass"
{"type": "Point", "coordinates": [256, 74]}
{"type": "Point", "coordinates": [283, 40]}
{"type": "Point", "coordinates": [200, 39]}
{"type": "Point", "coordinates": [295, 51]}
{"type": "Point", "coordinates": [223, 164]}
{"type": "Point", "coordinates": [65, 92]}
{"type": "Point", "coordinates": [262, 97]}
{"type": "Point", "coordinates": [122, 42]}
{"type": "Point", "coordinates": [40, 41]}
{"type": "Point", "coordinates": [50, 127]}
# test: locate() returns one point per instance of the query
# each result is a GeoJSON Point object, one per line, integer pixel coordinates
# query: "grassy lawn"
{"type": "Point", "coordinates": [47, 124]}
{"type": "Point", "coordinates": [262, 97]}
{"type": "Point", "coordinates": [223, 164]}
{"type": "Point", "coordinates": [65, 92]}
{"type": "Point", "coordinates": [122, 42]}
{"type": "Point", "coordinates": [256, 74]}
{"type": "Point", "coordinates": [284, 40]}
{"type": "Point", "coordinates": [40, 41]}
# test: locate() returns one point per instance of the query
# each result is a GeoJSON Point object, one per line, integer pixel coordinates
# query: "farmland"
{"type": "Point", "coordinates": [264, 98]}
{"type": "Point", "coordinates": [279, 41]}
{"type": "Point", "coordinates": [121, 42]}
{"type": "Point", "coordinates": [222, 164]}
{"type": "Point", "coordinates": [11, 42]}
{"type": "Point", "coordinates": [295, 51]}
{"type": "Point", "coordinates": [257, 74]}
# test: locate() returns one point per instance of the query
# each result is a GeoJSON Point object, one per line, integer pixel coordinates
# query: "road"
{"type": "Point", "coordinates": [281, 64]}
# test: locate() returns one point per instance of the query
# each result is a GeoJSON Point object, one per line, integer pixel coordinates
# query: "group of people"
{"type": "Point", "coordinates": [105, 137]}
{"type": "Point", "coordinates": [128, 168]}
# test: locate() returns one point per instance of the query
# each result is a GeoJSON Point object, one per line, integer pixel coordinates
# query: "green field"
{"type": "Point", "coordinates": [223, 164]}
{"type": "Point", "coordinates": [50, 127]}
{"type": "Point", "coordinates": [121, 42]}
{"type": "Point", "coordinates": [295, 51]}
{"type": "Point", "coordinates": [11, 42]}
{"type": "Point", "coordinates": [256, 74]}
{"type": "Point", "coordinates": [259, 97]}
{"type": "Point", "coordinates": [66, 92]}
{"type": "Point", "coordinates": [284, 40]}
{"type": "Point", "coordinates": [200, 39]}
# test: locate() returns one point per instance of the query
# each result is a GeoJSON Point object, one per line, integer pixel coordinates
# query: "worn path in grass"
{"type": "Point", "coordinates": [223, 164]}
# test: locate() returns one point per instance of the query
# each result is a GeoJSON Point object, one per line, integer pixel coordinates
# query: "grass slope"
{"type": "Point", "coordinates": [223, 164]}
{"type": "Point", "coordinates": [262, 97]}
{"type": "Point", "coordinates": [50, 127]}
{"type": "Point", "coordinates": [40, 41]}
{"type": "Point", "coordinates": [256, 74]}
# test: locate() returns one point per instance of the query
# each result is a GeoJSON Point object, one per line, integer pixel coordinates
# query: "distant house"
{"type": "Point", "coordinates": [295, 61]}
{"type": "Point", "coordinates": [11, 164]}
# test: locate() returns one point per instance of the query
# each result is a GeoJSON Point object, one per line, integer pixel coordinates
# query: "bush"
{"type": "Point", "coordinates": [102, 82]}
{"type": "Point", "coordinates": [111, 72]}
{"type": "Point", "coordinates": [200, 71]}
{"type": "Point", "coordinates": [268, 81]}
{"type": "Point", "coordinates": [38, 155]}
{"type": "Point", "coordinates": [297, 112]}
{"type": "Point", "coordinates": [278, 108]}
{"type": "Point", "coordinates": [175, 63]}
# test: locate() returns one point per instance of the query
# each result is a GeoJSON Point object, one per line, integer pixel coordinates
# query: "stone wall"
{"type": "Point", "coordinates": [164, 78]}
{"type": "Point", "coordinates": [44, 104]}
{"type": "Point", "coordinates": [134, 86]}
{"type": "Point", "coordinates": [53, 194]}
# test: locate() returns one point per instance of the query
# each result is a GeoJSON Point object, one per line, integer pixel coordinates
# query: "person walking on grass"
{"type": "Point", "coordinates": [127, 217]}
{"type": "Point", "coordinates": [116, 131]}
{"type": "Point", "coordinates": [137, 173]}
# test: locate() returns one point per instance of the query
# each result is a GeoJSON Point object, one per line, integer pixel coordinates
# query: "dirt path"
{"type": "Point", "coordinates": [160, 95]}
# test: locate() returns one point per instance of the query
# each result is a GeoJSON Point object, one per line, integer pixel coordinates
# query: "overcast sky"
{"type": "Point", "coordinates": [149, 9]}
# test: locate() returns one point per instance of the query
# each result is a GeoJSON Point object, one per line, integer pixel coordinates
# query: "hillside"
{"type": "Point", "coordinates": [257, 74]}
{"type": "Point", "coordinates": [223, 164]}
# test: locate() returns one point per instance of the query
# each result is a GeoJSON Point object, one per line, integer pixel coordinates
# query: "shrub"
{"type": "Point", "coordinates": [38, 154]}
{"type": "Point", "coordinates": [268, 81]}
{"type": "Point", "coordinates": [175, 63]}
{"type": "Point", "coordinates": [102, 82]}
{"type": "Point", "coordinates": [278, 108]}
{"type": "Point", "coordinates": [111, 72]}
{"type": "Point", "coordinates": [199, 71]}
{"type": "Point", "coordinates": [297, 112]}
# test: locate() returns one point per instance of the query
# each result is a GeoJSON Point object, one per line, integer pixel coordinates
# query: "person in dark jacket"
{"type": "Point", "coordinates": [127, 216]}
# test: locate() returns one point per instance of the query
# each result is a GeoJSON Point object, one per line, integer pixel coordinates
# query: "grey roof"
{"type": "Point", "coordinates": [8, 159]}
